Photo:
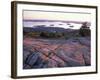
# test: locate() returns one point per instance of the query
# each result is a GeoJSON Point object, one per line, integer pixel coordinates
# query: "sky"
{"type": "Point", "coordinates": [71, 16]}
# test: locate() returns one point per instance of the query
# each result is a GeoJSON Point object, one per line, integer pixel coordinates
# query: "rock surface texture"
{"type": "Point", "coordinates": [51, 53]}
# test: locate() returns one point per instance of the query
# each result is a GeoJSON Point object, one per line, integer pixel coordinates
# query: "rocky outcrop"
{"type": "Point", "coordinates": [45, 53]}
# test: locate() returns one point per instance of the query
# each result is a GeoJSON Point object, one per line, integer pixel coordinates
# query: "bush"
{"type": "Point", "coordinates": [85, 32]}
{"type": "Point", "coordinates": [33, 34]}
{"type": "Point", "coordinates": [51, 35]}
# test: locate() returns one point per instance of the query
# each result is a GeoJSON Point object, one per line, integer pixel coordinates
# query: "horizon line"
{"type": "Point", "coordinates": [44, 20]}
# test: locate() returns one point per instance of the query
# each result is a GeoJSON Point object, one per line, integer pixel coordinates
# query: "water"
{"type": "Point", "coordinates": [52, 24]}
